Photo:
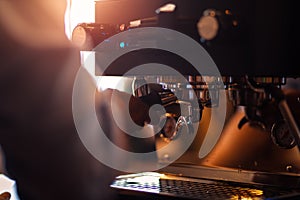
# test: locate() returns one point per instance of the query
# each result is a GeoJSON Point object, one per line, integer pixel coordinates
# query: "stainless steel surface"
{"type": "Point", "coordinates": [191, 188]}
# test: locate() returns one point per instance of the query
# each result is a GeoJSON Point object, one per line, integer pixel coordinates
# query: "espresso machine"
{"type": "Point", "coordinates": [243, 121]}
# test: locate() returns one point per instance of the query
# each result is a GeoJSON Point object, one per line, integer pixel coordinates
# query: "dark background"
{"type": "Point", "coordinates": [266, 42]}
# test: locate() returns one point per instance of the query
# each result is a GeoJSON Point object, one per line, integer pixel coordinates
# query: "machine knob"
{"type": "Point", "coordinates": [87, 36]}
{"type": "Point", "coordinates": [215, 23]}
{"type": "Point", "coordinates": [282, 136]}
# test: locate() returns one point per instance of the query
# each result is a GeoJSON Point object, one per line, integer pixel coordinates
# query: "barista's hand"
{"type": "Point", "coordinates": [5, 196]}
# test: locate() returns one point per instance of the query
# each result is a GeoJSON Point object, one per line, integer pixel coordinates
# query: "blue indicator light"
{"type": "Point", "coordinates": [122, 44]}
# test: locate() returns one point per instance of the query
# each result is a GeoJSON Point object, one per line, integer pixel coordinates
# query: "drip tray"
{"type": "Point", "coordinates": [169, 186]}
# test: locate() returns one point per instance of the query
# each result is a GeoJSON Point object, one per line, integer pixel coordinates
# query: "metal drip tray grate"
{"type": "Point", "coordinates": [188, 188]}
{"type": "Point", "coordinates": [198, 190]}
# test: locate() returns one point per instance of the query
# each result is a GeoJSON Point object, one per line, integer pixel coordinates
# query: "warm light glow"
{"type": "Point", "coordinates": [254, 195]}
{"type": "Point", "coordinates": [166, 8]}
{"type": "Point", "coordinates": [78, 11]}
{"type": "Point", "coordinates": [114, 82]}
{"type": "Point", "coordinates": [135, 23]}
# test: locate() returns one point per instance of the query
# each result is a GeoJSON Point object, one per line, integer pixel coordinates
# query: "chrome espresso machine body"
{"type": "Point", "coordinates": [254, 45]}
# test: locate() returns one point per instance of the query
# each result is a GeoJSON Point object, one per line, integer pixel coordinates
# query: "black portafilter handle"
{"type": "Point", "coordinates": [154, 93]}
{"type": "Point", "coordinates": [166, 98]}
{"type": "Point", "coordinates": [161, 96]}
